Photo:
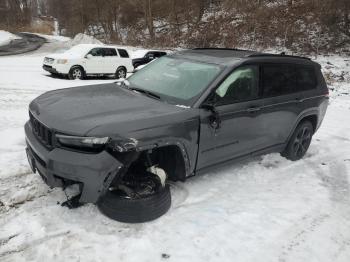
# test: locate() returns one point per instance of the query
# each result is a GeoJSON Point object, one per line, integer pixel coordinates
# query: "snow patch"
{"type": "Point", "coordinates": [83, 39]}
{"type": "Point", "coordinates": [7, 37]}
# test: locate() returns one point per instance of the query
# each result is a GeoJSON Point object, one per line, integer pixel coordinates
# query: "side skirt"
{"type": "Point", "coordinates": [273, 149]}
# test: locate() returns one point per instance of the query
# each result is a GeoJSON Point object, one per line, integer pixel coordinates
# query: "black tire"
{"type": "Point", "coordinates": [141, 210]}
{"type": "Point", "coordinates": [120, 73]}
{"type": "Point", "coordinates": [299, 142]}
{"type": "Point", "coordinates": [136, 65]}
{"type": "Point", "coordinates": [76, 72]}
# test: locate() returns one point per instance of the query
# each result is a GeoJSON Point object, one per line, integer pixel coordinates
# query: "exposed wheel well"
{"type": "Point", "coordinates": [312, 119]}
{"type": "Point", "coordinates": [168, 158]}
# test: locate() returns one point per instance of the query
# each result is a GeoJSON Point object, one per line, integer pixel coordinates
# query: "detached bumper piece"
{"type": "Point", "coordinates": [59, 168]}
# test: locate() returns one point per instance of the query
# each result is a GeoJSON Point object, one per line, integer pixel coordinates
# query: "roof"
{"type": "Point", "coordinates": [226, 56]}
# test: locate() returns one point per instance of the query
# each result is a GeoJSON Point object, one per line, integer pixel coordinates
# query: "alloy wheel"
{"type": "Point", "coordinates": [302, 141]}
{"type": "Point", "coordinates": [77, 74]}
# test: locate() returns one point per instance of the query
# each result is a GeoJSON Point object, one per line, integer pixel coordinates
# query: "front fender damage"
{"type": "Point", "coordinates": [125, 151]}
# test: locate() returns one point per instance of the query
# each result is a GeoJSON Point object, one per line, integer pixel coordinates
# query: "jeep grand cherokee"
{"type": "Point", "coordinates": [177, 117]}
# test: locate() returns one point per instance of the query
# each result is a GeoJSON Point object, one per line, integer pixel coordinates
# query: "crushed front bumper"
{"type": "Point", "coordinates": [94, 172]}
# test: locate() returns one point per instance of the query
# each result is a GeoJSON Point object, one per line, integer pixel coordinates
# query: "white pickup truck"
{"type": "Point", "coordinates": [89, 59]}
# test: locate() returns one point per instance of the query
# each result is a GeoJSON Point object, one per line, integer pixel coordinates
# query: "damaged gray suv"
{"type": "Point", "coordinates": [181, 115]}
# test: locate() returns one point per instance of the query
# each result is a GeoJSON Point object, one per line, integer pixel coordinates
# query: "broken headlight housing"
{"type": "Point", "coordinates": [93, 144]}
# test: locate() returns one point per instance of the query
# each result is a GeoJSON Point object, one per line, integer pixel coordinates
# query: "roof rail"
{"type": "Point", "coordinates": [283, 54]}
{"type": "Point", "coordinates": [222, 48]}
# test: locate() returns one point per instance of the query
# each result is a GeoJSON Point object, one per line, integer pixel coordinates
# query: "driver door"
{"type": "Point", "coordinates": [237, 128]}
{"type": "Point", "coordinates": [96, 63]}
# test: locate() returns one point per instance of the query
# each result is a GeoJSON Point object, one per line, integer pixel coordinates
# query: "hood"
{"type": "Point", "coordinates": [65, 55]}
{"type": "Point", "coordinates": [102, 110]}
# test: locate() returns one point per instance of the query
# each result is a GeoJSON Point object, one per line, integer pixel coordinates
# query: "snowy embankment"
{"type": "Point", "coordinates": [7, 37]}
{"type": "Point", "coordinates": [266, 209]}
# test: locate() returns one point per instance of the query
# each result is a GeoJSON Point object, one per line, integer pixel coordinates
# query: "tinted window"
{"type": "Point", "coordinates": [241, 85]}
{"type": "Point", "coordinates": [159, 54]}
{"type": "Point", "coordinates": [96, 52]}
{"type": "Point", "coordinates": [110, 52]}
{"type": "Point", "coordinates": [278, 79]}
{"type": "Point", "coordinates": [306, 78]}
{"type": "Point", "coordinates": [150, 55]}
{"type": "Point", "coordinates": [123, 53]}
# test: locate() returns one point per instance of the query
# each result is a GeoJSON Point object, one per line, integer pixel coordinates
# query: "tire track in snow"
{"type": "Point", "coordinates": [29, 244]}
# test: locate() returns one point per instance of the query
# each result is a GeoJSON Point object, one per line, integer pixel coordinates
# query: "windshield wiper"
{"type": "Point", "coordinates": [146, 92]}
{"type": "Point", "coordinates": [126, 84]}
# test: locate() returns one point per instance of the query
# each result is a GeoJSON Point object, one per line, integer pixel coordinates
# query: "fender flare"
{"type": "Point", "coordinates": [306, 113]}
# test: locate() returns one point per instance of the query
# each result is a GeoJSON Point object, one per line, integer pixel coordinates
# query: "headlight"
{"type": "Point", "coordinates": [62, 61]}
{"type": "Point", "coordinates": [83, 143]}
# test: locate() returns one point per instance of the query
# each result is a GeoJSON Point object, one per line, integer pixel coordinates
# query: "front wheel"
{"type": "Point", "coordinates": [120, 73]}
{"type": "Point", "coordinates": [299, 141]}
{"type": "Point", "coordinates": [76, 73]}
{"type": "Point", "coordinates": [137, 200]}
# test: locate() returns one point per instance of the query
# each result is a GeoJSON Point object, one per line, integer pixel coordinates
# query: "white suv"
{"type": "Point", "coordinates": [89, 59]}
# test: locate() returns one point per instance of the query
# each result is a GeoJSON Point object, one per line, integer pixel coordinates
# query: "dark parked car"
{"type": "Point", "coordinates": [175, 118]}
{"type": "Point", "coordinates": [141, 58]}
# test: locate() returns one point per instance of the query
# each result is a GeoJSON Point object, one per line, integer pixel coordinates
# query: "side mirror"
{"type": "Point", "coordinates": [214, 119]}
{"type": "Point", "coordinates": [208, 106]}
{"type": "Point", "coordinates": [88, 56]}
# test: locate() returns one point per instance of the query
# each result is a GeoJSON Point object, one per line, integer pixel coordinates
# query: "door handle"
{"type": "Point", "coordinates": [253, 109]}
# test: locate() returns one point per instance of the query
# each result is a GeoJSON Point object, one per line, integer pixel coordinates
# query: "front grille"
{"type": "Point", "coordinates": [43, 133]}
{"type": "Point", "coordinates": [37, 158]}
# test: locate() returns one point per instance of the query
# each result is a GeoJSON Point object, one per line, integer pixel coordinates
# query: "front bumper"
{"type": "Point", "coordinates": [56, 68]}
{"type": "Point", "coordinates": [50, 69]}
{"type": "Point", "coordinates": [94, 172]}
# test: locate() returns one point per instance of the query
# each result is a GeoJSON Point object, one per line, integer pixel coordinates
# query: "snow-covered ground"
{"type": "Point", "coordinates": [7, 37]}
{"type": "Point", "coordinates": [266, 209]}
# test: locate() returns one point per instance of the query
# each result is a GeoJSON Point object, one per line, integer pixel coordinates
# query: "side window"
{"type": "Point", "coordinates": [150, 55]}
{"type": "Point", "coordinates": [96, 52]}
{"type": "Point", "coordinates": [241, 85]}
{"type": "Point", "coordinates": [110, 52]}
{"type": "Point", "coordinates": [306, 78]}
{"type": "Point", "coordinates": [123, 53]}
{"type": "Point", "coordinates": [278, 80]}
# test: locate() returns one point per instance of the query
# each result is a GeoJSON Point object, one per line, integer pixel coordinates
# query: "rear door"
{"type": "Point", "coordinates": [282, 102]}
{"type": "Point", "coordinates": [111, 60]}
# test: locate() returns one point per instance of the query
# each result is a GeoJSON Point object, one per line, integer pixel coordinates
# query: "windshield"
{"type": "Point", "coordinates": [177, 81]}
{"type": "Point", "coordinates": [81, 50]}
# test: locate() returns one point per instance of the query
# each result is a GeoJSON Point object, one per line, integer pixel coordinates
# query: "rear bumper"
{"type": "Point", "coordinates": [94, 172]}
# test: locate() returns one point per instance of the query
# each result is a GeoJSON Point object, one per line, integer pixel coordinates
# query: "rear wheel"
{"type": "Point", "coordinates": [299, 142]}
{"type": "Point", "coordinates": [120, 73]}
{"type": "Point", "coordinates": [76, 72]}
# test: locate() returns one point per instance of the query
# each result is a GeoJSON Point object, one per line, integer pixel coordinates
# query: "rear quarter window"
{"type": "Point", "coordinates": [306, 78]}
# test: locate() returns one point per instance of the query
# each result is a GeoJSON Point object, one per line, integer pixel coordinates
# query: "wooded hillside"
{"type": "Point", "coordinates": [303, 26]}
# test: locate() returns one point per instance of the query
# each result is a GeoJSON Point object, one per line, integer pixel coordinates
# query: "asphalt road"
{"type": "Point", "coordinates": [27, 43]}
